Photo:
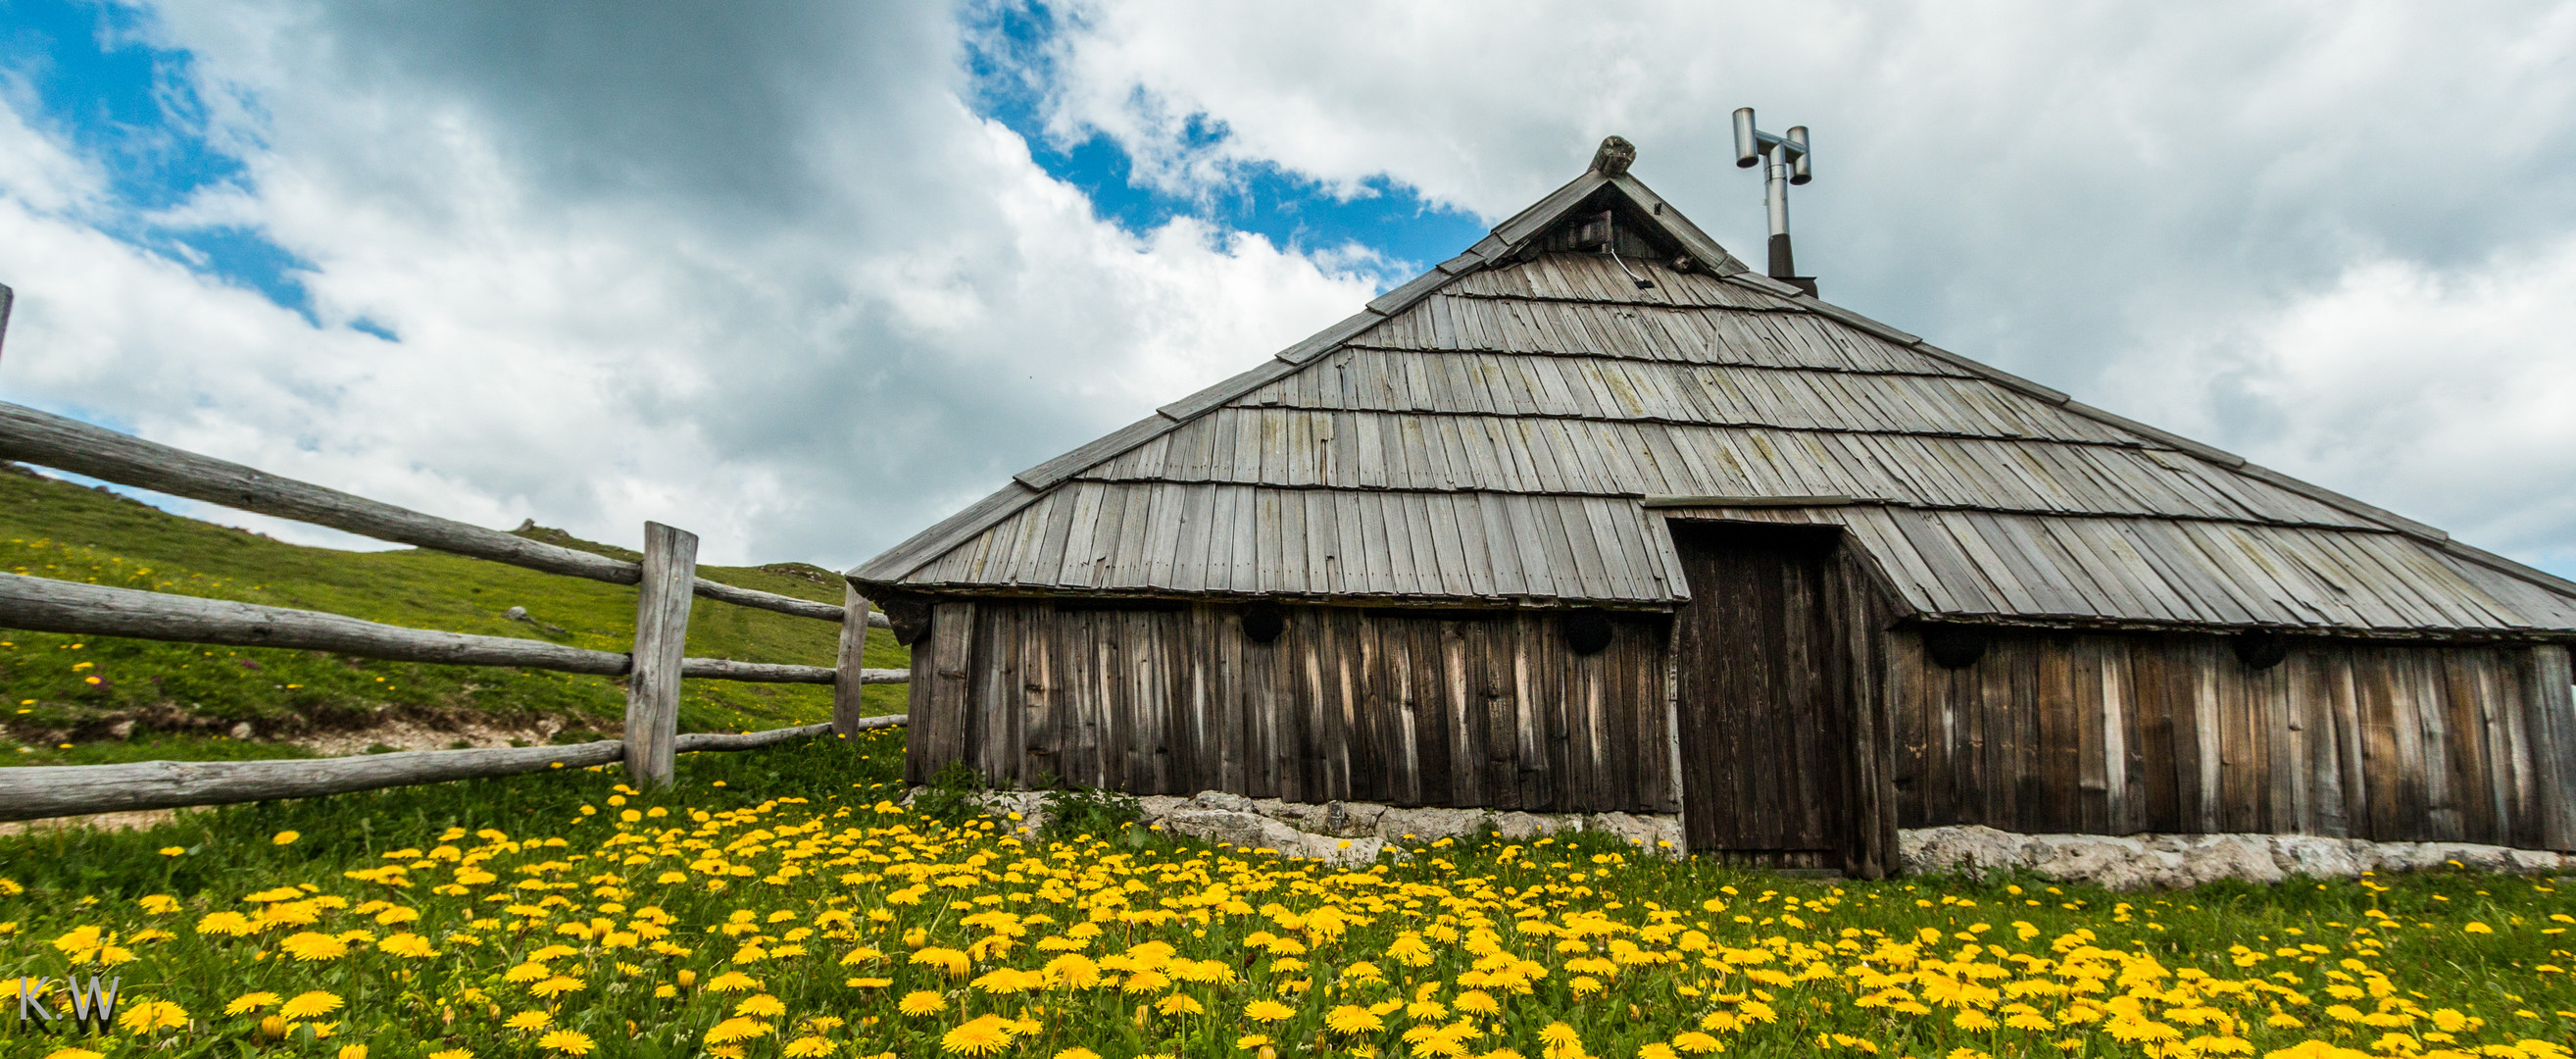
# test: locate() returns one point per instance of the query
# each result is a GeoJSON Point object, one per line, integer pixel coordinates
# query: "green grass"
{"type": "Point", "coordinates": [773, 893]}
{"type": "Point", "coordinates": [56, 689]}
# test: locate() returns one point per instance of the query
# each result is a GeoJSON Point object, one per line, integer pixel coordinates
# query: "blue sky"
{"type": "Point", "coordinates": [97, 80]}
{"type": "Point", "coordinates": [1009, 57]}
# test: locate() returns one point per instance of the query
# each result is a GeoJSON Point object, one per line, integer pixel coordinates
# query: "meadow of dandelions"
{"type": "Point", "coordinates": [833, 922]}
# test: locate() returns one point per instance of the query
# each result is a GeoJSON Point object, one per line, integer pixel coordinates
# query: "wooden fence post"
{"type": "Point", "coordinates": [846, 710]}
{"type": "Point", "coordinates": [661, 632]}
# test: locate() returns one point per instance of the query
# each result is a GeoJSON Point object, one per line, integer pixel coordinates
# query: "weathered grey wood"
{"type": "Point", "coordinates": [69, 790]}
{"type": "Point", "coordinates": [757, 672]}
{"type": "Point", "coordinates": [78, 790]}
{"type": "Point", "coordinates": [661, 634]}
{"type": "Point", "coordinates": [30, 436]}
{"type": "Point", "coordinates": [752, 597]}
{"type": "Point", "coordinates": [46, 605]}
{"type": "Point", "coordinates": [851, 657]}
{"type": "Point", "coordinates": [696, 742]}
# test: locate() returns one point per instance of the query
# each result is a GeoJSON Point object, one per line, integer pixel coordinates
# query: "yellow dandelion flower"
{"type": "Point", "coordinates": [982, 1035]}
{"type": "Point", "coordinates": [528, 1020]}
{"type": "Point", "coordinates": [2475, 927]}
{"type": "Point", "coordinates": [353, 1051]}
{"type": "Point", "coordinates": [558, 986]}
{"type": "Point", "coordinates": [2029, 1020]}
{"type": "Point", "coordinates": [152, 1015]}
{"type": "Point", "coordinates": [251, 1002]}
{"type": "Point", "coordinates": [1267, 1011]}
{"type": "Point", "coordinates": [285, 838]}
{"type": "Point", "coordinates": [309, 946]}
{"type": "Point", "coordinates": [1350, 1018]}
{"type": "Point", "coordinates": [229, 924]}
{"type": "Point", "coordinates": [1077, 1053]}
{"type": "Point", "coordinates": [74, 1053]}
{"type": "Point", "coordinates": [807, 1047]}
{"type": "Point", "coordinates": [1179, 1004]}
{"type": "Point", "coordinates": [452, 1053]}
{"type": "Point", "coordinates": [869, 983]}
{"type": "Point", "coordinates": [921, 1002]}
{"type": "Point", "coordinates": [737, 1029]}
{"type": "Point", "coordinates": [1250, 1041]}
{"type": "Point", "coordinates": [569, 1042]}
{"type": "Point", "coordinates": [1973, 1021]}
{"type": "Point", "coordinates": [761, 1005]}
{"type": "Point", "coordinates": [311, 1004]}
{"type": "Point", "coordinates": [408, 945]}
{"type": "Point", "coordinates": [731, 982]}
{"type": "Point", "coordinates": [1478, 1002]}
{"type": "Point", "coordinates": [1695, 1042]}
{"type": "Point", "coordinates": [1583, 985]}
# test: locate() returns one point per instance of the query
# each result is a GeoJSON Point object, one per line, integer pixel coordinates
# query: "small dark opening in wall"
{"type": "Point", "coordinates": [1954, 646]}
{"type": "Point", "coordinates": [2260, 649]}
{"type": "Point", "coordinates": [1262, 623]}
{"type": "Point", "coordinates": [1587, 631]}
{"type": "Point", "coordinates": [908, 617]}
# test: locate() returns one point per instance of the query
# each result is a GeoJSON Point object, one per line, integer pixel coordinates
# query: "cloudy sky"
{"type": "Point", "coordinates": [805, 278]}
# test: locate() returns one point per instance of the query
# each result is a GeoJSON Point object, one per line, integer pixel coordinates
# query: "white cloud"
{"type": "Point", "coordinates": [804, 320]}
{"type": "Point", "coordinates": [2440, 395]}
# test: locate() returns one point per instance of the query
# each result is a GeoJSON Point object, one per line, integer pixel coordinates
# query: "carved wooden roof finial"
{"type": "Point", "coordinates": [1614, 156]}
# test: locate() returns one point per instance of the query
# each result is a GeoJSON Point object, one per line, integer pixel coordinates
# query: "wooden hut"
{"type": "Point", "coordinates": [1593, 518]}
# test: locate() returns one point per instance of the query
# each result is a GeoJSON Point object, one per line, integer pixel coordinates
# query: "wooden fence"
{"type": "Point", "coordinates": [666, 580]}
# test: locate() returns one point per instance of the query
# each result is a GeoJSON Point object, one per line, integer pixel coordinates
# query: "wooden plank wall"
{"type": "Point", "coordinates": [1348, 704]}
{"type": "Point", "coordinates": [2127, 733]}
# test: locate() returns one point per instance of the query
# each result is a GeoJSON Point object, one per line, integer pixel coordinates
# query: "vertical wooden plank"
{"type": "Point", "coordinates": [2286, 715]}
{"type": "Point", "coordinates": [848, 660]}
{"type": "Point", "coordinates": [1042, 740]}
{"type": "Point", "coordinates": [2392, 786]}
{"type": "Point", "coordinates": [2161, 725]}
{"type": "Point", "coordinates": [2093, 759]}
{"type": "Point", "coordinates": [1909, 705]}
{"type": "Point", "coordinates": [2061, 740]}
{"type": "Point", "coordinates": [661, 637]}
{"type": "Point", "coordinates": [940, 737]}
{"type": "Point", "coordinates": [2207, 733]}
{"type": "Point", "coordinates": [2552, 706]}
{"type": "Point", "coordinates": [998, 750]}
{"type": "Point", "coordinates": [2238, 753]}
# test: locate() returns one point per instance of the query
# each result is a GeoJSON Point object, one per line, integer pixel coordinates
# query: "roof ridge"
{"type": "Point", "coordinates": [2425, 533]}
{"type": "Point", "coordinates": [1504, 240]}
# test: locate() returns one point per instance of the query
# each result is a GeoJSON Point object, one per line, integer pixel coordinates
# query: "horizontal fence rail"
{"type": "Point", "coordinates": [666, 581]}
{"type": "Point", "coordinates": [47, 440]}
{"type": "Point", "coordinates": [42, 604]}
{"type": "Point", "coordinates": [38, 792]}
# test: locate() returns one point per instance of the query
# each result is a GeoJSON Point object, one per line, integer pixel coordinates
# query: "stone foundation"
{"type": "Point", "coordinates": [1348, 832]}
{"type": "Point", "coordinates": [1360, 832]}
{"type": "Point", "coordinates": [2139, 862]}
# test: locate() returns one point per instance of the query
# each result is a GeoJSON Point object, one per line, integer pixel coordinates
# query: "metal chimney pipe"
{"type": "Point", "coordinates": [1784, 161]}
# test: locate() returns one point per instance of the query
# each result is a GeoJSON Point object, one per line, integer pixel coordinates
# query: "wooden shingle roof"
{"type": "Point", "coordinates": [1517, 425]}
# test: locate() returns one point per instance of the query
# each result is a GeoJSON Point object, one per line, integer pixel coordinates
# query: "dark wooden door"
{"type": "Point", "coordinates": [1765, 721]}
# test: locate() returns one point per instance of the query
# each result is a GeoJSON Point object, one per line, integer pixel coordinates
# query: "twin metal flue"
{"type": "Point", "coordinates": [1786, 158]}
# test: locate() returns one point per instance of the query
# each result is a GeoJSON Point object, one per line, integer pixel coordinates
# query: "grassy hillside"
{"type": "Point", "coordinates": [177, 700]}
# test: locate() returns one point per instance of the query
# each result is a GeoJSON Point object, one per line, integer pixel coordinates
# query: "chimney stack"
{"type": "Point", "coordinates": [1785, 160]}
